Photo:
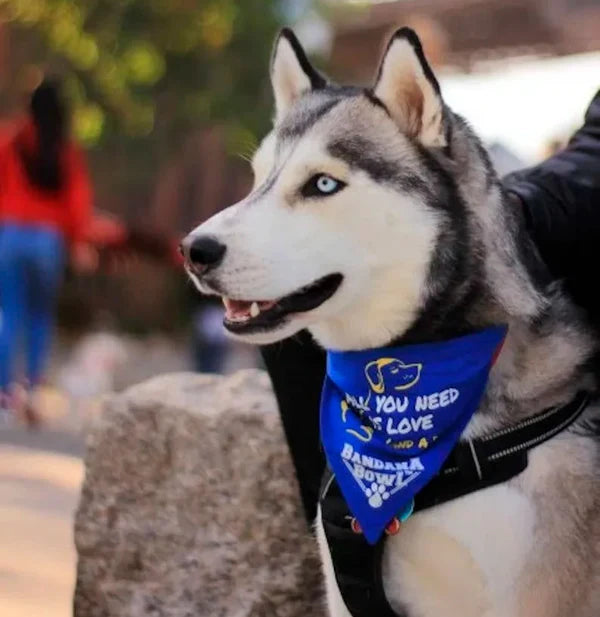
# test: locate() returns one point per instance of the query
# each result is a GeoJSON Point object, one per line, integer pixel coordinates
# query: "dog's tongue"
{"type": "Point", "coordinates": [241, 310]}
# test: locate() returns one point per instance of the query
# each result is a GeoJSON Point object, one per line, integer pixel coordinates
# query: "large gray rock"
{"type": "Point", "coordinates": [190, 506]}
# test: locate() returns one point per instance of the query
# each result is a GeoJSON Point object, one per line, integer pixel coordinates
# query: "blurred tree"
{"type": "Point", "coordinates": [154, 85]}
{"type": "Point", "coordinates": [142, 67]}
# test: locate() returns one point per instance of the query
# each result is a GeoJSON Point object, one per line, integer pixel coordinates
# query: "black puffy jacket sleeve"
{"type": "Point", "coordinates": [561, 198]}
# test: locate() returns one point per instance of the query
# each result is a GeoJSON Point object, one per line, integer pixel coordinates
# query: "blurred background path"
{"type": "Point", "coordinates": [41, 471]}
{"type": "Point", "coordinates": [40, 475]}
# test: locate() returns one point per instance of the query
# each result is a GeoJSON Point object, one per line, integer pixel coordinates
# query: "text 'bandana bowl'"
{"type": "Point", "coordinates": [391, 416]}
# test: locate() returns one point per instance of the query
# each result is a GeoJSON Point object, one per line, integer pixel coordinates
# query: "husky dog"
{"type": "Point", "coordinates": [376, 218]}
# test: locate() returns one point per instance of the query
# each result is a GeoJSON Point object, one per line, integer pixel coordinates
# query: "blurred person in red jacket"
{"type": "Point", "coordinates": [45, 206]}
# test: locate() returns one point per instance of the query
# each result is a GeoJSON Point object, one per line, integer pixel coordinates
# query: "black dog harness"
{"type": "Point", "coordinates": [472, 465]}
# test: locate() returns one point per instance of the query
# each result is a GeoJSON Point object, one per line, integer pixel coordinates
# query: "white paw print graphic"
{"type": "Point", "coordinates": [377, 494]}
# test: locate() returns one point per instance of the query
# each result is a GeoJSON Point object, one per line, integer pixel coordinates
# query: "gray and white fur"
{"type": "Point", "coordinates": [428, 247]}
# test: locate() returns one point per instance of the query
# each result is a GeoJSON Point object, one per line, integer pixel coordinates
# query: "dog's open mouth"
{"type": "Point", "coordinates": [245, 316]}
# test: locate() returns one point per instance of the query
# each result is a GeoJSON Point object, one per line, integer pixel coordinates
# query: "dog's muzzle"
{"type": "Point", "coordinates": [202, 253]}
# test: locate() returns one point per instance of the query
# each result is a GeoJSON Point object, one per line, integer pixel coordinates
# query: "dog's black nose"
{"type": "Point", "coordinates": [203, 252]}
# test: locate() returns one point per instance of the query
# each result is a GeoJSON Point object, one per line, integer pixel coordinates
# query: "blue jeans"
{"type": "Point", "coordinates": [31, 265]}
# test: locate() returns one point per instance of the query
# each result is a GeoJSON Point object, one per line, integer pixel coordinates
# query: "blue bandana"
{"type": "Point", "coordinates": [391, 416]}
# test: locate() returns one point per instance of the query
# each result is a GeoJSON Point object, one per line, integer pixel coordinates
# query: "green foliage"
{"type": "Point", "coordinates": [154, 67]}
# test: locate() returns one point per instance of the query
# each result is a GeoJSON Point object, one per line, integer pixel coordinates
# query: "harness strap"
{"type": "Point", "coordinates": [356, 563]}
{"type": "Point", "coordinates": [472, 465]}
{"type": "Point", "coordinates": [478, 463]}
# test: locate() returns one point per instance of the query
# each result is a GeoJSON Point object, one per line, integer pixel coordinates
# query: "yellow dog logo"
{"type": "Point", "coordinates": [392, 374]}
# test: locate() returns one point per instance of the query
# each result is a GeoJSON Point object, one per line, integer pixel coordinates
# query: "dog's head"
{"type": "Point", "coordinates": [391, 375]}
{"type": "Point", "coordinates": [354, 222]}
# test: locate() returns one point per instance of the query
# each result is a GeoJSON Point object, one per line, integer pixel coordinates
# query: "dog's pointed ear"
{"type": "Point", "coordinates": [291, 72]}
{"type": "Point", "coordinates": [406, 85]}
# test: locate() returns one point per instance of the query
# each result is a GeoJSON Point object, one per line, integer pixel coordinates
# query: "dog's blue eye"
{"type": "Point", "coordinates": [326, 184]}
{"type": "Point", "coordinates": [322, 185]}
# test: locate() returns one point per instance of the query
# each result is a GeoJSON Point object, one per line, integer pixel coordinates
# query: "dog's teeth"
{"type": "Point", "coordinates": [254, 309]}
